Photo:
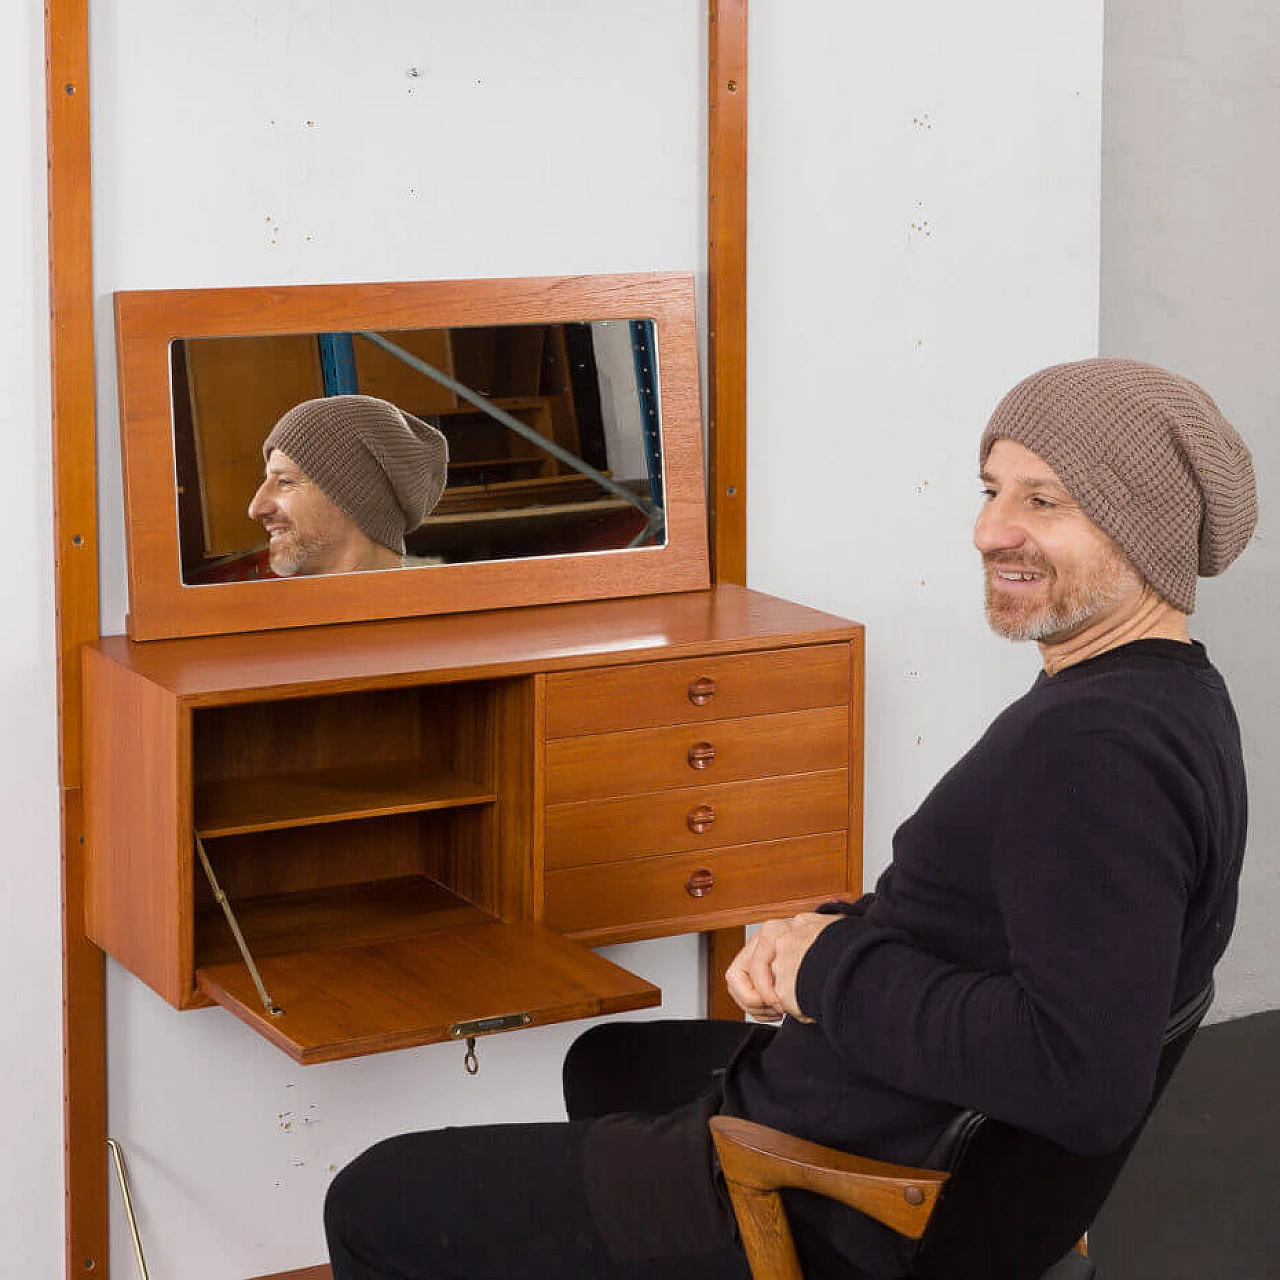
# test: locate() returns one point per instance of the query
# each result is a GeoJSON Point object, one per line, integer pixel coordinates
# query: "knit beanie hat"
{"type": "Point", "coordinates": [1149, 458]}
{"type": "Point", "coordinates": [385, 468]}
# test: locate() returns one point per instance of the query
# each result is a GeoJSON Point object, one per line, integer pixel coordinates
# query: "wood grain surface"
{"type": "Point", "coordinates": [727, 286]}
{"type": "Point", "coordinates": [602, 831]}
{"type": "Point", "coordinates": [335, 794]}
{"type": "Point", "coordinates": [612, 764]}
{"type": "Point", "coordinates": [356, 1000]}
{"type": "Point", "coordinates": [651, 895]}
{"type": "Point", "coordinates": [73, 431]}
{"type": "Point", "coordinates": [613, 698]}
{"type": "Point", "coordinates": [222, 670]}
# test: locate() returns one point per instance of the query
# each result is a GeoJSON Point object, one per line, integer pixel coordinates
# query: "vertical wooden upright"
{"type": "Point", "coordinates": [727, 287]}
{"type": "Point", "coordinates": [726, 355]}
{"type": "Point", "coordinates": [76, 596]}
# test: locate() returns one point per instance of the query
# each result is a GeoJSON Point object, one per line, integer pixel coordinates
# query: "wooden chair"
{"type": "Point", "coordinates": [992, 1203]}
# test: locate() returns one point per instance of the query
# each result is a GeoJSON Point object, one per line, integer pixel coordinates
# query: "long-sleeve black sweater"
{"type": "Point", "coordinates": [1065, 885]}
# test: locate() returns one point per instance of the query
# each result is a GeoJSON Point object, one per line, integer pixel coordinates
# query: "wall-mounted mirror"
{"type": "Point", "coordinates": [553, 435]}
{"type": "Point", "coordinates": [568, 407]}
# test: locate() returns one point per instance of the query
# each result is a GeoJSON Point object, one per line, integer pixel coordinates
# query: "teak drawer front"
{"type": "Point", "coordinates": [678, 889]}
{"type": "Point", "coordinates": [692, 690]}
{"type": "Point", "coordinates": [656, 822]}
{"type": "Point", "coordinates": [616, 764]}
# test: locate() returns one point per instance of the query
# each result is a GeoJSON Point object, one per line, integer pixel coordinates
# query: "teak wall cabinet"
{"type": "Point", "coordinates": [418, 823]}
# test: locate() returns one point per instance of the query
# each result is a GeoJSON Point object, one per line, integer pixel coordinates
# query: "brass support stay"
{"type": "Point", "coordinates": [225, 903]}
{"type": "Point", "coordinates": [122, 1178]}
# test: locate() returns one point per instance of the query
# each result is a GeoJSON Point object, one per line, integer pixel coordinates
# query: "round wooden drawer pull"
{"type": "Point", "coordinates": [700, 883]}
{"type": "Point", "coordinates": [700, 819]}
{"type": "Point", "coordinates": [702, 690]}
{"type": "Point", "coordinates": [701, 754]}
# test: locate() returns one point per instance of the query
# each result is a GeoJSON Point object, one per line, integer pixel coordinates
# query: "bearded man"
{"type": "Point", "coordinates": [346, 478]}
{"type": "Point", "coordinates": [1065, 886]}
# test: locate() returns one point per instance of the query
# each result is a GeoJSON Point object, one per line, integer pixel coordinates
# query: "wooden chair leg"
{"type": "Point", "coordinates": [762, 1221]}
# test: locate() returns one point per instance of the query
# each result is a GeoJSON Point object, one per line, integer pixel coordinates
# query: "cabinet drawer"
{"type": "Point", "coordinates": [693, 690]}
{"type": "Point", "coordinates": [696, 818]}
{"type": "Point", "coordinates": [616, 764]}
{"type": "Point", "coordinates": [674, 892]}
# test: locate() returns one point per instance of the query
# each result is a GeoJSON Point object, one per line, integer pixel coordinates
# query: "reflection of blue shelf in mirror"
{"type": "Point", "coordinates": [338, 364]}
{"type": "Point", "coordinates": [240, 806]}
{"type": "Point", "coordinates": [644, 357]}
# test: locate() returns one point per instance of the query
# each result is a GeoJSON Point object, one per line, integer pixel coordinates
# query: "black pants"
{"type": "Point", "coordinates": [624, 1190]}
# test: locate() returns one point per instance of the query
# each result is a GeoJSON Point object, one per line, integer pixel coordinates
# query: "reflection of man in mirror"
{"type": "Point", "coordinates": [346, 477]}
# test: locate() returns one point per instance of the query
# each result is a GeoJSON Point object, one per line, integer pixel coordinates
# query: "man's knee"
{"type": "Point", "coordinates": [364, 1208]}
{"type": "Point", "coordinates": [591, 1060]}
{"type": "Point", "coordinates": [350, 1194]}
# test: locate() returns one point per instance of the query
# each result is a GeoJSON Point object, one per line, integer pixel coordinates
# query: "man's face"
{"type": "Point", "coordinates": [304, 527]}
{"type": "Point", "coordinates": [1050, 572]}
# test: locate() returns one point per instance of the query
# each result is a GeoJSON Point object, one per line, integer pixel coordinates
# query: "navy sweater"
{"type": "Point", "coordinates": [1064, 887]}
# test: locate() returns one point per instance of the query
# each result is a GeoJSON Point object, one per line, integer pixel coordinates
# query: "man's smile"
{"type": "Point", "coordinates": [1015, 576]}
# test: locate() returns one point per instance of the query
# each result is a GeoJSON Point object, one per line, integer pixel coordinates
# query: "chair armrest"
{"type": "Point", "coordinates": [762, 1159]}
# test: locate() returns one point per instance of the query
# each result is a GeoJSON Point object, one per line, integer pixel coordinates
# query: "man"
{"type": "Point", "coordinates": [346, 478]}
{"type": "Point", "coordinates": [1064, 887]}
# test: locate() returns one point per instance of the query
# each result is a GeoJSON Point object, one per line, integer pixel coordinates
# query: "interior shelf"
{"type": "Point", "coordinates": [354, 915]}
{"type": "Point", "coordinates": [241, 805]}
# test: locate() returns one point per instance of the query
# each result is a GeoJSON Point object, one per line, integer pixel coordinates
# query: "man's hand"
{"type": "Point", "coordinates": [762, 977]}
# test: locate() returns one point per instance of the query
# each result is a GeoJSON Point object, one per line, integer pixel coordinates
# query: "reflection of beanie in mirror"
{"type": "Point", "coordinates": [1149, 458]}
{"type": "Point", "coordinates": [385, 468]}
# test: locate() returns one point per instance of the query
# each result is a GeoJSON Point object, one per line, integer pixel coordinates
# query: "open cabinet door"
{"type": "Point", "coordinates": [446, 985]}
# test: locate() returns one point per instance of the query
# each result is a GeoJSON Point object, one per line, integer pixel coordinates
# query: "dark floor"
{"type": "Point", "coordinates": [1200, 1196]}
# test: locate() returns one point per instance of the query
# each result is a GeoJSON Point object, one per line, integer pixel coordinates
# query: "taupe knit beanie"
{"type": "Point", "coordinates": [385, 468]}
{"type": "Point", "coordinates": [1149, 458]}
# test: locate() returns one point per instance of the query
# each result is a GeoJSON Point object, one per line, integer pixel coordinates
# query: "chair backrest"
{"type": "Point", "coordinates": [1015, 1202]}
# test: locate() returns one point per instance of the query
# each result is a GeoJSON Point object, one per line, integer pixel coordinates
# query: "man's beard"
{"type": "Point", "coordinates": [290, 554]}
{"type": "Point", "coordinates": [1080, 600]}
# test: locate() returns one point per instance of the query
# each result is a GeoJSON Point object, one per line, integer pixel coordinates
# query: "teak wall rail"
{"type": "Point", "coordinates": [71, 296]}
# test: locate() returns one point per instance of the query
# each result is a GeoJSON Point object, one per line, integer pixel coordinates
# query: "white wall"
{"type": "Point", "coordinates": [30, 916]}
{"type": "Point", "coordinates": [924, 208]}
{"type": "Point", "coordinates": [1190, 279]}
{"type": "Point", "coordinates": [924, 202]}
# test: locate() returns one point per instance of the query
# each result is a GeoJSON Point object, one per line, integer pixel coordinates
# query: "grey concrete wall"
{"type": "Point", "coordinates": [1190, 277]}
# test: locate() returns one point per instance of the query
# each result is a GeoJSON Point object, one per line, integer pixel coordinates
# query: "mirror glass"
{"type": "Point", "coordinates": [554, 435]}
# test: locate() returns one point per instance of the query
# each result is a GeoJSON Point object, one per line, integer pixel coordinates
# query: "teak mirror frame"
{"type": "Point", "coordinates": [75, 514]}
{"type": "Point", "coordinates": [147, 323]}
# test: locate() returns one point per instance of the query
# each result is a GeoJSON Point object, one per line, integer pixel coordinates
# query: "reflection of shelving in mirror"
{"type": "Point", "coordinates": [553, 431]}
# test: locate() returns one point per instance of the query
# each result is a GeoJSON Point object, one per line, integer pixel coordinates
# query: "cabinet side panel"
{"type": "Point", "coordinates": [857, 738]}
{"type": "Point", "coordinates": [536, 896]}
{"type": "Point", "coordinates": [457, 731]}
{"type": "Point", "coordinates": [135, 752]}
{"type": "Point", "coordinates": [516, 750]}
